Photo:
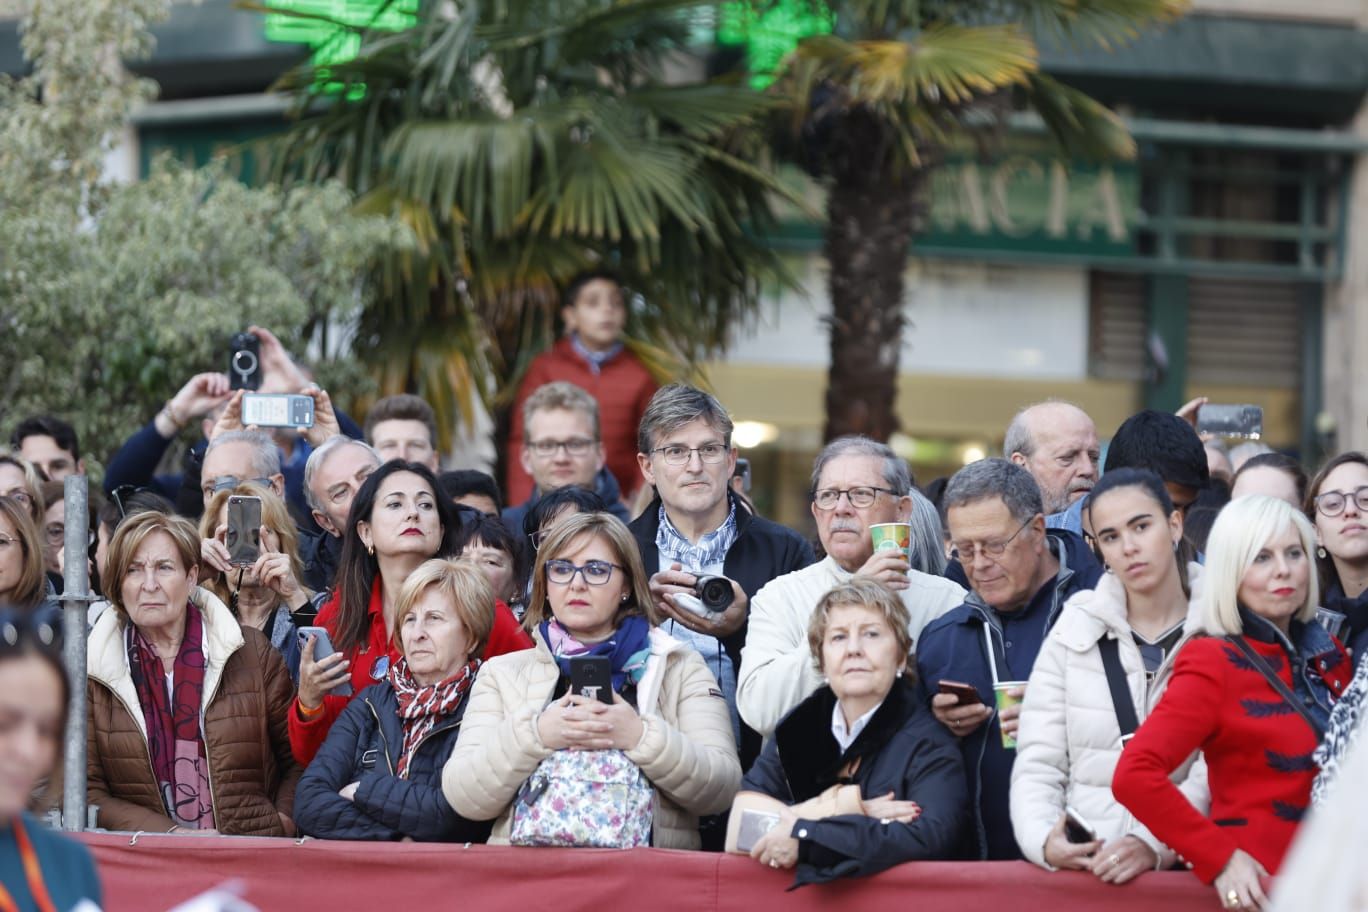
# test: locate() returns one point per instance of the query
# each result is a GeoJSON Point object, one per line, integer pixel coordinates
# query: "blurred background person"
{"type": "Point", "coordinates": [186, 727]}
{"type": "Point", "coordinates": [20, 482]}
{"type": "Point", "coordinates": [1272, 474]}
{"type": "Point", "coordinates": [472, 488]}
{"type": "Point", "coordinates": [50, 444]}
{"type": "Point", "coordinates": [864, 726]}
{"type": "Point", "coordinates": [590, 597]}
{"type": "Point", "coordinates": [487, 544]}
{"type": "Point", "coordinates": [23, 584]}
{"type": "Point", "coordinates": [1337, 502]}
{"type": "Point", "coordinates": [1254, 696]}
{"type": "Point", "coordinates": [379, 773]}
{"type": "Point", "coordinates": [404, 427]}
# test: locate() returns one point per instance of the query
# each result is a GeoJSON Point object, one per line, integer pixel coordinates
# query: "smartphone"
{"type": "Point", "coordinates": [323, 648]}
{"type": "Point", "coordinates": [244, 530]}
{"type": "Point", "coordinates": [1231, 421]}
{"type": "Point", "coordinates": [592, 677]}
{"type": "Point", "coordinates": [277, 410]}
{"type": "Point", "coordinates": [754, 824]}
{"type": "Point", "coordinates": [965, 694]}
{"type": "Point", "coordinates": [1076, 828]}
{"type": "Point", "coordinates": [244, 361]}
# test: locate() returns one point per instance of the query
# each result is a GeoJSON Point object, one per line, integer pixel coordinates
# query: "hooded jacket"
{"type": "Point", "coordinates": [1069, 740]}
{"type": "Point", "coordinates": [687, 749]}
{"type": "Point", "coordinates": [247, 694]}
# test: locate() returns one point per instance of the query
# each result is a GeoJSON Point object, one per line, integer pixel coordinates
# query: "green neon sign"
{"type": "Point", "coordinates": [769, 33]}
{"type": "Point", "coordinates": [331, 28]}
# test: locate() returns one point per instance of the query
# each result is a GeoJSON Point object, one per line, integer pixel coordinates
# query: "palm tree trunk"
{"type": "Point", "coordinates": [870, 217]}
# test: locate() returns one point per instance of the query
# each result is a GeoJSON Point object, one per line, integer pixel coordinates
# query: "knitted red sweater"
{"type": "Point", "coordinates": [1257, 748]}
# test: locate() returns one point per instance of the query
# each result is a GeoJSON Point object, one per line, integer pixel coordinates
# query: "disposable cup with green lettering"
{"type": "Point", "coordinates": [1004, 700]}
{"type": "Point", "coordinates": [893, 536]}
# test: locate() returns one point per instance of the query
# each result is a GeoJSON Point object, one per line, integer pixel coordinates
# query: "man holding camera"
{"type": "Point", "coordinates": [707, 553]}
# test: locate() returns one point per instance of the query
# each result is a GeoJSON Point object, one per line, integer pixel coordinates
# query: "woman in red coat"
{"type": "Point", "coordinates": [397, 522]}
{"type": "Point", "coordinates": [1258, 611]}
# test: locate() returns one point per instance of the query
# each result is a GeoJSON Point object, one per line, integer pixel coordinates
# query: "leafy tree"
{"type": "Point", "coordinates": [112, 295]}
{"type": "Point", "coordinates": [522, 142]}
{"type": "Point", "coordinates": [878, 102]}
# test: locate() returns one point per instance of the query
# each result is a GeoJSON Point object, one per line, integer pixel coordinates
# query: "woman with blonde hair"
{"type": "Point", "coordinates": [20, 481]}
{"type": "Point", "coordinates": [1253, 695]}
{"type": "Point", "coordinates": [655, 721]}
{"type": "Point", "coordinates": [379, 773]}
{"type": "Point", "coordinates": [23, 584]}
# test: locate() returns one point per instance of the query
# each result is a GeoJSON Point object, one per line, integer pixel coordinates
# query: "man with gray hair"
{"type": "Point", "coordinates": [233, 457]}
{"type": "Point", "coordinates": [334, 473]}
{"type": "Point", "coordinates": [1020, 574]}
{"type": "Point", "coordinates": [856, 483]}
{"type": "Point", "coordinates": [1057, 443]}
{"type": "Point", "coordinates": [697, 527]}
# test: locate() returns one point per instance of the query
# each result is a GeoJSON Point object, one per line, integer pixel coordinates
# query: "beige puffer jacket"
{"type": "Point", "coordinates": [1069, 741]}
{"type": "Point", "coordinates": [687, 752]}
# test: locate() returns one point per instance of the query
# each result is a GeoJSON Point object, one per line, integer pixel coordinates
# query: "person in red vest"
{"type": "Point", "coordinates": [591, 356]}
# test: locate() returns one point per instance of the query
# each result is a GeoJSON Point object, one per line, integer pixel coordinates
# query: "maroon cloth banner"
{"type": "Point", "coordinates": [159, 871]}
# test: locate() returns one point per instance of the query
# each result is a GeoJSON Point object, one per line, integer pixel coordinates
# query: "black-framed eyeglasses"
{"type": "Point", "coordinates": [575, 446]}
{"type": "Point", "coordinates": [967, 553]}
{"type": "Point", "coordinates": [678, 454]}
{"type": "Point", "coordinates": [120, 494]}
{"type": "Point", "coordinates": [596, 572]}
{"type": "Point", "coordinates": [859, 497]}
{"type": "Point", "coordinates": [228, 483]}
{"type": "Point", "coordinates": [1332, 503]}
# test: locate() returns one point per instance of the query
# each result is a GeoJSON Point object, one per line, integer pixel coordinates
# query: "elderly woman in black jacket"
{"type": "Point", "coordinates": [864, 728]}
{"type": "Point", "coordinates": [378, 776]}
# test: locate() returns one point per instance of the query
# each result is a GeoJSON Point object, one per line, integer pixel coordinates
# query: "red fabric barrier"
{"type": "Point", "coordinates": [160, 871]}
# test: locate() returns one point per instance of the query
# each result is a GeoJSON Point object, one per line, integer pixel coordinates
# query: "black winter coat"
{"type": "Point", "coordinates": [364, 746]}
{"type": "Point", "coordinates": [902, 750]}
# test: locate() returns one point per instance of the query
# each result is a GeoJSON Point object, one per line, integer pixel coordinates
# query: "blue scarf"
{"type": "Point", "coordinates": [627, 649]}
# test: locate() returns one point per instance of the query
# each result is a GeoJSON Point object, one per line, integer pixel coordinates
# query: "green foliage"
{"type": "Point", "coordinates": [113, 295]}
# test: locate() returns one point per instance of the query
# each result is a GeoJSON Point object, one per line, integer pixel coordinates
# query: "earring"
{"type": "Point", "coordinates": [1176, 545]}
{"type": "Point", "coordinates": [625, 596]}
{"type": "Point", "coordinates": [370, 549]}
{"type": "Point", "coordinates": [1320, 552]}
{"type": "Point", "coordinates": [1107, 568]}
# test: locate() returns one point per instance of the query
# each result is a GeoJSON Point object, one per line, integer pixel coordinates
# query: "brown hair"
{"type": "Point", "coordinates": [32, 586]}
{"type": "Point", "coordinates": [129, 537]}
{"type": "Point", "coordinates": [1329, 576]}
{"type": "Point", "coordinates": [464, 587]}
{"type": "Point", "coordinates": [32, 482]}
{"type": "Point", "coordinates": [402, 407]}
{"type": "Point", "coordinates": [583, 526]}
{"type": "Point", "coordinates": [864, 593]}
{"type": "Point", "coordinates": [275, 515]}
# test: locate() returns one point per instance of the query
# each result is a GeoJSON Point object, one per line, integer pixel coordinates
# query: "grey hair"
{"type": "Point", "coordinates": [320, 456]}
{"type": "Point", "coordinates": [676, 405]}
{"type": "Point", "coordinates": [928, 536]}
{"type": "Point", "coordinates": [1019, 438]}
{"type": "Point", "coordinates": [896, 474]}
{"type": "Point", "coordinates": [995, 478]}
{"type": "Point", "coordinates": [265, 453]}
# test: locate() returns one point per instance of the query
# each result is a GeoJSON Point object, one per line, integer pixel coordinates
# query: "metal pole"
{"type": "Point", "coordinates": [75, 602]}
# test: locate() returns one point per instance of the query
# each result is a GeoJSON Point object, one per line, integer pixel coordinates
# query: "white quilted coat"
{"type": "Point", "coordinates": [1069, 741]}
{"type": "Point", "coordinates": [688, 751]}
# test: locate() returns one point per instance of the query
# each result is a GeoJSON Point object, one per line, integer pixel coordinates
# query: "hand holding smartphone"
{"type": "Point", "coordinates": [244, 530]}
{"type": "Point", "coordinates": [323, 647]}
{"type": "Point", "coordinates": [965, 694]}
{"type": "Point", "coordinates": [592, 677]}
{"type": "Point", "coordinates": [1076, 828]}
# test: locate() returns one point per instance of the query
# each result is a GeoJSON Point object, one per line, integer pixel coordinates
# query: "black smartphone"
{"type": "Point", "coordinates": [1077, 829]}
{"type": "Point", "coordinates": [592, 677]}
{"type": "Point", "coordinates": [244, 361]}
{"type": "Point", "coordinates": [965, 694]}
{"type": "Point", "coordinates": [244, 530]}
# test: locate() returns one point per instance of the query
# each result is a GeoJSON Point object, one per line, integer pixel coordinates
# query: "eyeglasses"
{"type": "Point", "coordinates": [228, 483]}
{"type": "Point", "coordinates": [120, 494]}
{"type": "Point", "coordinates": [576, 446]}
{"type": "Point", "coordinates": [55, 533]}
{"type": "Point", "coordinates": [678, 455]}
{"type": "Point", "coordinates": [860, 498]}
{"type": "Point", "coordinates": [967, 553]}
{"type": "Point", "coordinates": [1332, 503]}
{"type": "Point", "coordinates": [596, 572]}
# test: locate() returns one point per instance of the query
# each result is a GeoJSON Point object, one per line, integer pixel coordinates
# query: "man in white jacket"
{"type": "Point", "coordinates": [856, 483]}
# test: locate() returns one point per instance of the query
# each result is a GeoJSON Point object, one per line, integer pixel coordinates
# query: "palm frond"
{"type": "Point", "coordinates": [1106, 23]}
{"type": "Point", "coordinates": [1082, 126]}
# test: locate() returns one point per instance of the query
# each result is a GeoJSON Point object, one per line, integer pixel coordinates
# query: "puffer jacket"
{"type": "Point", "coordinates": [364, 746]}
{"type": "Point", "coordinates": [247, 693]}
{"type": "Point", "coordinates": [687, 750]}
{"type": "Point", "coordinates": [1069, 741]}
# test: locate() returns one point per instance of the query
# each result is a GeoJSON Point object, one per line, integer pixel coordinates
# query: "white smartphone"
{"type": "Point", "coordinates": [277, 410]}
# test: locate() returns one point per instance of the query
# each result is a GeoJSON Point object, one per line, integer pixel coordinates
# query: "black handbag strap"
{"type": "Point", "coordinates": [1120, 690]}
{"type": "Point", "coordinates": [1277, 683]}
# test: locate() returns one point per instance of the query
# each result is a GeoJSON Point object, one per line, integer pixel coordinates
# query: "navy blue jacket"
{"type": "Point", "coordinates": [953, 647]}
{"type": "Point", "coordinates": [363, 746]}
{"type": "Point", "coordinates": [1354, 634]}
{"type": "Point", "coordinates": [605, 486]}
{"type": "Point", "coordinates": [903, 750]}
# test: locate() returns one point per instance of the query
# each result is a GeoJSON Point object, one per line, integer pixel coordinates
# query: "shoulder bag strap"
{"type": "Point", "coordinates": [1277, 683]}
{"type": "Point", "coordinates": [1120, 689]}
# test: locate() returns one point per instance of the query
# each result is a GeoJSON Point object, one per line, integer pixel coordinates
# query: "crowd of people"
{"type": "Point", "coordinates": [1112, 668]}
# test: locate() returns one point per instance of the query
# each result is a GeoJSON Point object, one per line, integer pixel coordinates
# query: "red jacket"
{"type": "Point", "coordinates": [1258, 754]}
{"type": "Point", "coordinates": [306, 737]}
{"type": "Point", "coordinates": [623, 387]}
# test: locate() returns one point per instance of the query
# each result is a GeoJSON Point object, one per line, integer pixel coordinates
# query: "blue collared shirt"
{"type": "Point", "coordinates": [710, 551]}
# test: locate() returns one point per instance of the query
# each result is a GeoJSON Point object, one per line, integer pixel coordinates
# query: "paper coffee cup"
{"type": "Point", "coordinates": [1004, 700]}
{"type": "Point", "coordinates": [891, 537]}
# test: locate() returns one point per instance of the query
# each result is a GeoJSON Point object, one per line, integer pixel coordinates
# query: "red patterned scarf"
{"type": "Point", "coordinates": [173, 721]}
{"type": "Point", "coordinates": [421, 708]}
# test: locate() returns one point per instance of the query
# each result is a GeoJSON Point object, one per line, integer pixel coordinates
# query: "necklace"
{"type": "Point", "coordinates": [33, 872]}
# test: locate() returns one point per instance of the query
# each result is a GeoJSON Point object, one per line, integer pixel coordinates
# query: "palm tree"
{"type": "Point", "coordinates": [524, 141]}
{"type": "Point", "coordinates": [877, 103]}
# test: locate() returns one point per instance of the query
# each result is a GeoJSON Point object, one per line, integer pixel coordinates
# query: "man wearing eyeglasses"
{"type": "Point", "coordinates": [697, 527]}
{"type": "Point", "coordinates": [856, 483]}
{"type": "Point", "coordinates": [561, 447]}
{"type": "Point", "coordinates": [1020, 574]}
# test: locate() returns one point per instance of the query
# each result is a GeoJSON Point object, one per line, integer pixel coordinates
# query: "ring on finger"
{"type": "Point", "coordinates": [1114, 859]}
{"type": "Point", "coordinates": [1232, 899]}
